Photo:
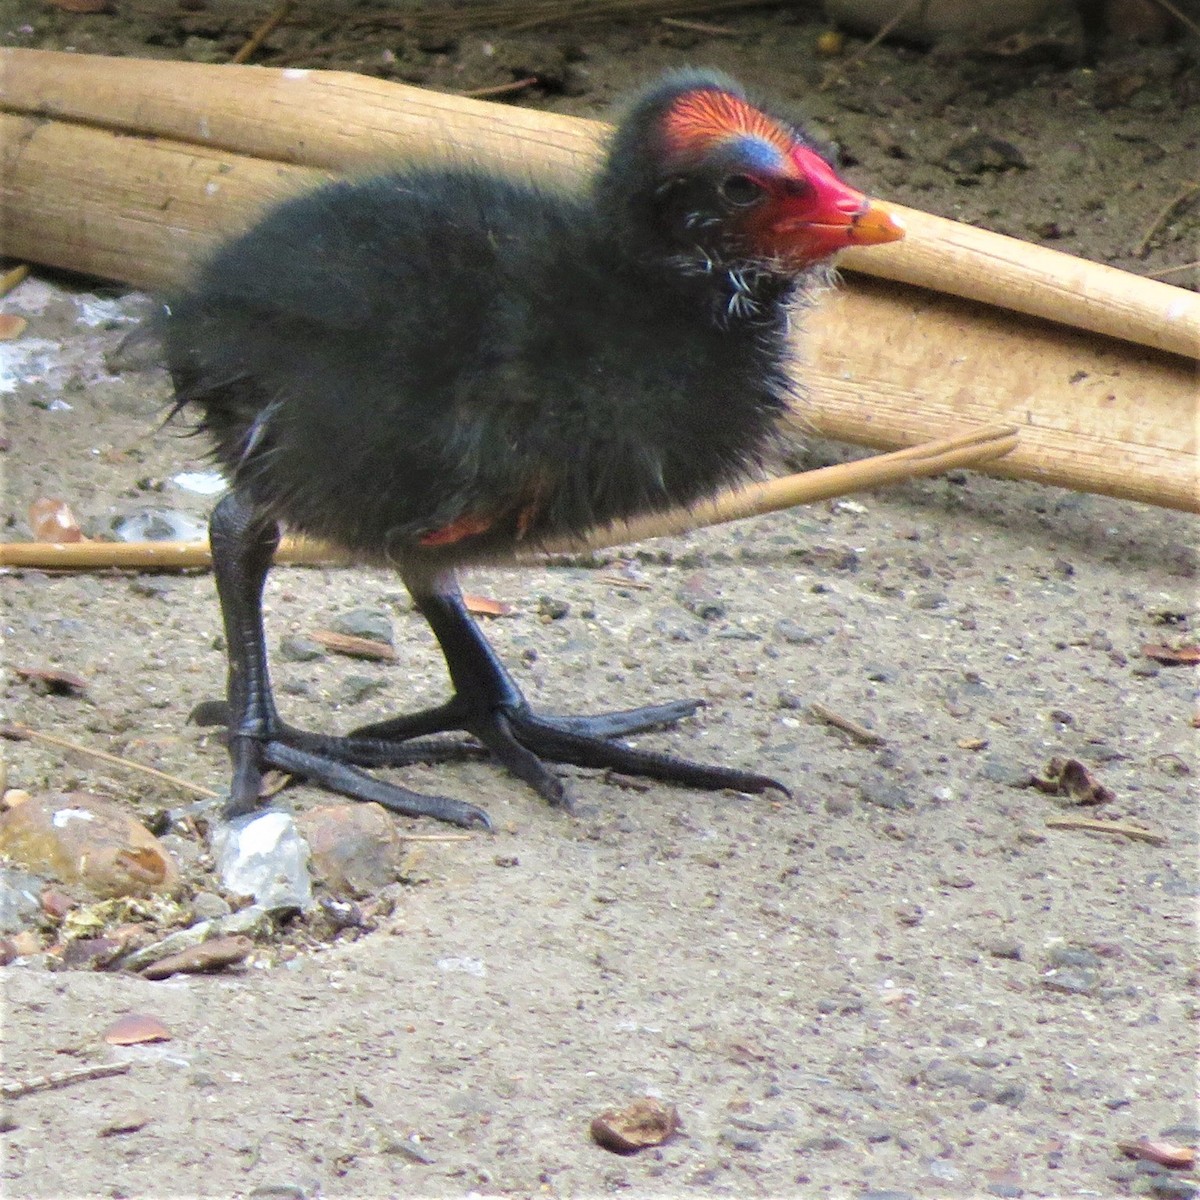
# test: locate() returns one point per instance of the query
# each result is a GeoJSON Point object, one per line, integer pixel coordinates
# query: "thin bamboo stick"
{"type": "Point", "coordinates": [805, 488]}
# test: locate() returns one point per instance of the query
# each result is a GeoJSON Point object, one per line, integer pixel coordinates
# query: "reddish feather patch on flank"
{"type": "Point", "coordinates": [456, 531]}
{"type": "Point", "coordinates": [699, 119]}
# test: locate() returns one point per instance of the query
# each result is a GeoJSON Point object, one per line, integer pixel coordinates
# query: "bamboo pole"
{"type": "Point", "coordinates": [770, 496]}
{"type": "Point", "coordinates": [337, 121]}
{"type": "Point", "coordinates": [201, 150]}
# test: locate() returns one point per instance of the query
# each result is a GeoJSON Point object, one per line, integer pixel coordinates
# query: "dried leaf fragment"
{"type": "Point", "coordinates": [12, 326]}
{"type": "Point", "coordinates": [53, 521]}
{"type": "Point", "coordinates": [47, 681]}
{"type": "Point", "coordinates": [641, 1123]}
{"type": "Point", "coordinates": [1068, 777]}
{"type": "Point", "coordinates": [127, 1123]}
{"type": "Point", "coordinates": [354, 647]}
{"type": "Point", "coordinates": [1187, 655]}
{"type": "Point", "coordinates": [134, 1029]}
{"type": "Point", "coordinates": [212, 955]}
{"type": "Point", "coordinates": [1166, 1154]}
{"type": "Point", "coordinates": [83, 7]}
{"type": "Point", "coordinates": [485, 606]}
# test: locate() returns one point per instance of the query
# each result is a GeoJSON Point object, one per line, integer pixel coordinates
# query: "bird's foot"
{"type": "Point", "coordinates": [328, 762]}
{"type": "Point", "coordinates": [521, 739]}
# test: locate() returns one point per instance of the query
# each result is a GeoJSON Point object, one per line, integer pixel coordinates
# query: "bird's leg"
{"type": "Point", "coordinates": [243, 542]}
{"type": "Point", "coordinates": [488, 704]}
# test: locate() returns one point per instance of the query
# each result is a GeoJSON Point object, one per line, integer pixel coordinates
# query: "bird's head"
{"type": "Point", "coordinates": [696, 169]}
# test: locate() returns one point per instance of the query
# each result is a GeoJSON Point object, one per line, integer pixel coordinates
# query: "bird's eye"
{"type": "Point", "coordinates": [741, 190]}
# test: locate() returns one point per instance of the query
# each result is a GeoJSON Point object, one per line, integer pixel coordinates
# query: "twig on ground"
{"type": "Point", "coordinates": [1172, 270]}
{"type": "Point", "coordinates": [57, 1079]}
{"type": "Point", "coordinates": [839, 69]}
{"type": "Point", "coordinates": [1096, 825]}
{"type": "Point", "coordinates": [500, 89]}
{"type": "Point", "coordinates": [860, 733]}
{"type": "Point", "coordinates": [21, 733]}
{"type": "Point", "coordinates": [263, 32]}
{"type": "Point", "coordinates": [354, 647]}
{"type": "Point", "coordinates": [1179, 16]}
{"type": "Point", "coordinates": [1191, 189]}
{"type": "Point", "coordinates": [699, 27]}
{"type": "Point", "coordinates": [928, 458]}
{"type": "Point", "coordinates": [10, 279]}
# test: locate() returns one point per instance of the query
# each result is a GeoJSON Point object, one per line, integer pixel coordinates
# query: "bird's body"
{"type": "Point", "coordinates": [442, 365]}
{"type": "Point", "coordinates": [521, 330]}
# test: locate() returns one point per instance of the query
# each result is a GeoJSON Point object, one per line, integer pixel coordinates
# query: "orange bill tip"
{"type": "Point", "coordinates": [874, 226]}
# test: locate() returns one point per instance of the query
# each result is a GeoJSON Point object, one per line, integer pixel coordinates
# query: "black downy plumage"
{"type": "Point", "coordinates": [442, 365]}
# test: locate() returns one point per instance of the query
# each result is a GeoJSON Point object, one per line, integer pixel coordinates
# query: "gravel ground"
{"type": "Point", "coordinates": [901, 981]}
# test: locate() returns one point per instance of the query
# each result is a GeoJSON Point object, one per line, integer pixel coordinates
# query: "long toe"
{"type": "Point", "coordinates": [443, 718]}
{"type": "Point", "coordinates": [626, 721]}
{"type": "Point", "coordinates": [498, 736]}
{"type": "Point", "coordinates": [358, 785]}
{"type": "Point", "coordinates": [550, 741]}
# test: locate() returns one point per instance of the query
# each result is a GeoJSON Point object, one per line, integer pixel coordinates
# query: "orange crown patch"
{"type": "Point", "coordinates": [706, 116]}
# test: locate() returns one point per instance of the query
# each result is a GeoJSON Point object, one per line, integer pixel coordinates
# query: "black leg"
{"type": "Point", "coordinates": [243, 543]}
{"type": "Point", "coordinates": [488, 704]}
{"type": "Point", "coordinates": [242, 547]}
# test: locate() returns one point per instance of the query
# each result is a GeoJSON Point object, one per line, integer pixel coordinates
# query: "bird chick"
{"type": "Point", "coordinates": [444, 365]}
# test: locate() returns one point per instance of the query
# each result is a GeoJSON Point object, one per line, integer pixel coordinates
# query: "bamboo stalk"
{"type": "Point", "coordinates": [805, 488]}
{"type": "Point", "coordinates": [337, 121]}
{"type": "Point", "coordinates": [884, 364]}
{"type": "Point", "coordinates": [931, 458]}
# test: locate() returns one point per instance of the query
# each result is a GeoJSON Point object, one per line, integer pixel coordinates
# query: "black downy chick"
{"type": "Point", "coordinates": [442, 366]}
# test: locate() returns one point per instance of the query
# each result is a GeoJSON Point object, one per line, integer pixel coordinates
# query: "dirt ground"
{"type": "Point", "coordinates": [901, 981]}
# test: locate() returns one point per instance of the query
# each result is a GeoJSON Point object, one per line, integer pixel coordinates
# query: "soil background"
{"type": "Point", "coordinates": [898, 982]}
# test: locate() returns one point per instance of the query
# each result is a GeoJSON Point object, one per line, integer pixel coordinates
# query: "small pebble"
{"type": "Point", "coordinates": [19, 903]}
{"type": "Point", "coordinates": [294, 647]}
{"type": "Point", "coordinates": [208, 906]}
{"type": "Point", "coordinates": [263, 855]}
{"type": "Point", "coordinates": [369, 623]}
{"type": "Point", "coordinates": [794, 634]}
{"type": "Point", "coordinates": [739, 1140]}
{"type": "Point", "coordinates": [154, 587]}
{"type": "Point", "coordinates": [1171, 1187]}
{"type": "Point", "coordinates": [1073, 956]}
{"type": "Point", "coordinates": [1072, 981]}
{"type": "Point", "coordinates": [1006, 948]}
{"type": "Point", "coordinates": [1188, 1134]}
{"type": "Point", "coordinates": [982, 152]}
{"type": "Point", "coordinates": [1011, 1095]}
{"type": "Point", "coordinates": [1008, 771]}
{"type": "Point", "coordinates": [1009, 1190]}
{"type": "Point", "coordinates": [357, 688]}
{"type": "Point", "coordinates": [158, 525]}
{"type": "Point", "coordinates": [699, 596]}
{"type": "Point", "coordinates": [552, 608]}
{"type": "Point", "coordinates": [884, 793]}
